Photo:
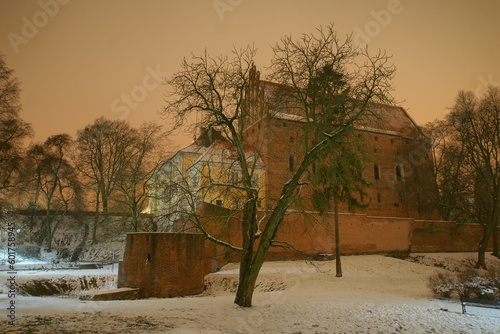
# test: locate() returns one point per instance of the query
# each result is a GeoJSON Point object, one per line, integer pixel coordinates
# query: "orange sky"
{"type": "Point", "coordinates": [79, 60]}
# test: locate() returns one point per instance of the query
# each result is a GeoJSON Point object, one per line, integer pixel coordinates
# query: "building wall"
{"type": "Point", "coordinates": [359, 234]}
{"type": "Point", "coordinates": [443, 236]}
{"type": "Point", "coordinates": [393, 144]}
{"type": "Point", "coordinates": [311, 234]}
{"type": "Point", "coordinates": [163, 264]}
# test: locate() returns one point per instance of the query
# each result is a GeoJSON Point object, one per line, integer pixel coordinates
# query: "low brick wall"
{"type": "Point", "coordinates": [163, 264]}
{"type": "Point", "coordinates": [444, 236]}
{"type": "Point", "coordinates": [359, 234]}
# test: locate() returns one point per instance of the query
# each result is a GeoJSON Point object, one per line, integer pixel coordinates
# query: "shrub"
{"type": "Point", "coordinates": [469, 284]}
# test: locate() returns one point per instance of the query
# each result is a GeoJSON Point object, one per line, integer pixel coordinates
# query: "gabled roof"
{"type": "Point", "coordinates": [391, 120]}
{"type": "Point", "coordinates": [387, 118]}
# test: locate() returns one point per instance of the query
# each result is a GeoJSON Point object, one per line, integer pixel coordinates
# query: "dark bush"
{"type": "Point", "coordinates": [28, 252]}
{"type": "Point", "coordinates": [469, 284]}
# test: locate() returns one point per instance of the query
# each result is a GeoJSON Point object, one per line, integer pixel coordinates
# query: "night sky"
{"type": "Point", "coordinates": [79, 60]}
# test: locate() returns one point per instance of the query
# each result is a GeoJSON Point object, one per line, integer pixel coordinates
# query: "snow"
{"type": "Point", "coordinates": [376, 295]}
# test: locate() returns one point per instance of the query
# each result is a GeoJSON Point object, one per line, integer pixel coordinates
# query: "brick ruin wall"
{"type": "Point", "coordinates": [163, 264]}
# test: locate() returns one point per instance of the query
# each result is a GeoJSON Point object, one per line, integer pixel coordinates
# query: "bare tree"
{"type": "Point", "coordinates": [447, 163]}
{"type": "Point", "coordinates": [217, 90]}
{"type": "Point", "coordinates": [53, 182]}
{"type": "Point", "coordinates": [13, 130]}
{"type": "Point", "coordinates": [147, 152]}
{"type": "Point", "coordinates": [476, 122]}
{"type": "Point", "coordinates": [104, 153]}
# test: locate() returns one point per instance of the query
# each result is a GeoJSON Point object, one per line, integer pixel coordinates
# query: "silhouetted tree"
{"type": "Point", "coordinates": [447, 163]}
{"type": "Point", "coordinates": [214, 88]}
{"type": "Point", "coordinates": [147, 152]}
{"type": "Point", "coordinates": [13, 130]}
{"type": "Point", "coordinates": [476, 122]}
{"type": "Point", "coordinates": [467, 167]}
{"type": "Point", "coordinates": [104, 151]}
{"type": "Point", "coordinates": [53, 182]}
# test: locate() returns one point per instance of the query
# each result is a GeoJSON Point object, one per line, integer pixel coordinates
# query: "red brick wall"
{"type": "Point", "coordinates": [442, 236]}
{"type": "Point", "coordinates": [163, 264]}
{"type": "Point", "coordinates": [359, 234]}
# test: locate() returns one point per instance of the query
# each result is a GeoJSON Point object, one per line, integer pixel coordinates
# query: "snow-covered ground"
{"type": "Point", "coordinates": [376, 295]}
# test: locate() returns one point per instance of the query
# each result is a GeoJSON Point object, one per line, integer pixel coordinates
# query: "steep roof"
{"type": "Point", "coordinates": [387, 118]}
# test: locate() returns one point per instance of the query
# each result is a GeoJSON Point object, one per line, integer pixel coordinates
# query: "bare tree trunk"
{"type": "Point", "coordinates": [48, 230]}
{"type": "Point", "coordinates": [338, 263]}
{"type": "Point", "coordinates": [483, 246]}
{"type": "Point", "coordinates": [247, 280]}
{"type": "Point", "coordinates": [489, 229]}
{"type": "Point", "coordinates": [78, 250]}
{"type": "Point", "coordinates": [96, 219]}
{"type": "Point", "coordinates": [135, 220]}
{"type": "Point", "coordinates": [49, 235]}
{"type": "Point", "coordinates": [496, 248]}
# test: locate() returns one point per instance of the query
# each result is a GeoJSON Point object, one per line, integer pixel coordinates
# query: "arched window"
{"type": "Point", "coordinates": [376, 172]}
{"type": "Point", "coordinates": [399, 176]}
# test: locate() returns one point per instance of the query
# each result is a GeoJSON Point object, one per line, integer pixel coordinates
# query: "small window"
{"type": "Point", "coordinates": [376, 172]}
{"type": "Point", "coordinates": [291, 139]}
{"type": "Point", "coordinates": [218, 202]}
{"type": "Point", "coordinates": [392, 141]}
{"type": "Point", "coordinates": [398, 174]}
{"type": "Point", "coordinates": [291, 163]}
{"type": "Point", "coordinates": [379, 198]}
